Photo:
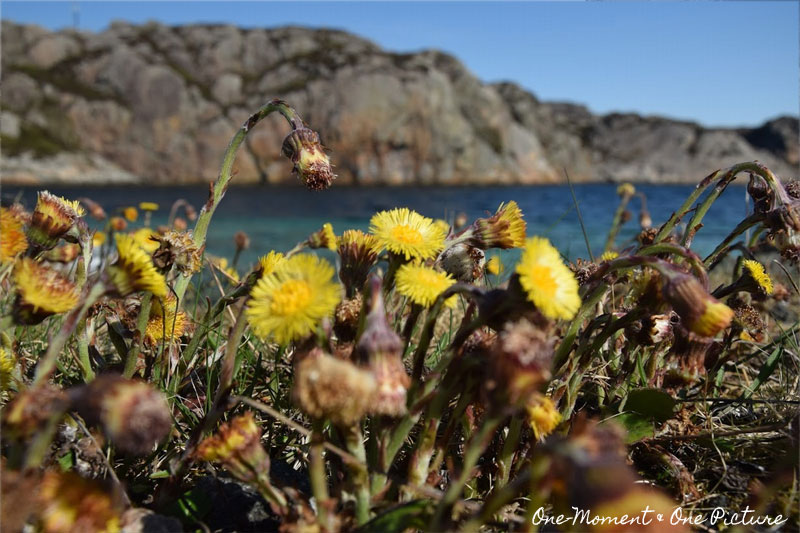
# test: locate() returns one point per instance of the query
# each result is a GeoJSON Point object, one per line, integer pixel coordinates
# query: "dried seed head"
{"type": "Point", "coordinates": [237, 446]}
{"type": "Point", "coordinates": [703, 314]}
{"type": "Point", "coordinates": [463, 261]}
{"type": "Point", "coordinates": [380, 350]}
{"type": "Point", "coordinates": [31, 409]}
{"type": "Point", "coordinates": [134, 415]}
{"type": "Point", "coordinates": [72, 504]}
{"type": "Point", "coordinates": [793, 189]}
{"type": "Point", "coordinates": [583, 270]}
{"type": "Point", "coordinates": [505, 229]}
{"type": "Point", "coordinates": [520, 362]}
{"type": "Point", "coordinates": [177, 248]}
{"type": "Point", "coordinates": [326, 387]}
{"type": "Point", "coordinates": [311, 163]}
{"type": "Point", "coordinates": [346, 318]}
{"type": "Point", "coordinates": [657, 328]}
{"type": "Point", "coordinates": [53, 218]}
{"type": "Point", "coordinates": [647, 236]}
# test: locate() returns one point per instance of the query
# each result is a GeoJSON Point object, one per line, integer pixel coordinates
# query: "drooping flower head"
{"type": "Point", "coordinates": [756, 278]}
{"type": "Point", "coordinates": [134, 270]}
{"type": "Point", "coordinates": [12, 236]}
{"type": "Point", "coordinates": [358, 252]}
{"type": "Point", "coordinates": [288, 304]}
{"type": "Point", "coordinates": [41, 292]}
{"type": "Point", "coordinates": [505, 229]}
{"type": "Point", "coordinates": [422, 285]}
{"type": "Point", "coordinates": [407, 233]}
{"type": "Point", "coordinates": [702, 314]}
{"type": "Point", "coordinates": [166, 321]}
{"type": "Point", "coordinates": [52, 219]}
{"type": "Point", "coordinates": [237, 446]}
{"type": "Point", "coordinates": [547, 281]}
{"type": "Point", "coordinates": [324, 238]}
{"type": "Point", "coordinates": [311, 163]}
{"type": "Point", "coordinates": [133, 414]}
{"type": "Point", "coordinates": [71, 504]}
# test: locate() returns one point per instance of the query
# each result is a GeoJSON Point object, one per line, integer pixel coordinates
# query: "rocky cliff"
{"type": "Point", "coordinates": [157, 105]}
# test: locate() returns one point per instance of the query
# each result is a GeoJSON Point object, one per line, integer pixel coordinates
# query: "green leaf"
{"type": "Point", "coordinates": [638, 427]}
{"type": "Point", "coordinates": [191, 507]}
{"type": "Point", "coordinates": [414, 515]}
{"type": "Point", "coordinates": [651, 403]}
{"type": "Point", "coordinates": [66, 461]}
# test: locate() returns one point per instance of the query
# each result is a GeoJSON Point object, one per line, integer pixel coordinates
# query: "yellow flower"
{"type": "Point", "coordinates": [269, 262]}
{"type": "Point", "coordinates": [148, 206]}
{"type": "Point", "coordinates": [505, 229]}
{"type": "Point", "coordinates": [7, 364]}
{"type": "Point", "coordinates": [549, 284]}
{"type": "Point", "coordinates": [542, 415]}
{"type": "Point", "coordinates": [324, 238]}
{"type": "Point", "coordinates": [143, 237]}
{"type": "Point", "coordinates": [71, 503]}
{"type": "Point", "coordinates": [12, 236]}
{"type": "Point", "coordinates": [41, 292]}
{"type": "Point", "coordinates": [716, 317]}
{"type": "Point", "coordinates": [98, 238]}
{"type": "Point", "coordinates": [405, 232]}
{"type": "Point", "coordinates": [756, 271]}
{"type": "Point", "coordinates": [607, 256]}
{"type": "Point", "coordinates": [442, 225]}
{"type": "Point", "coordinates": [237, 445]}
{"type": "Point", "coordinates": [358, 252]}
{"type": "Point", "coordinates": [134, 270]}
{"type": "Point", "coordinates": [166, 321]}
{"type": "Point", "coordinates": [130, 214]}
{"type": "Point", "coordinates": [626, 189]}
{"type": "Point", "coordinates": [52, 219]}
{"type": "Point", "coordinates": [288, 304]}
{"type": "Point", "coordinates": [702, 313]}
{"type": "Point", "coordinates": [494, 265]}
{"type": "Point", "coordinates": [422, 285]}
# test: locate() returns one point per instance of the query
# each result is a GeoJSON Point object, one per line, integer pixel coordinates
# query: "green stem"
{"type": "Point", "coordinates": [48, 362]}
{"type": "Point", "coordinates": [221, 185]}
{"type": "Point", "coordinates": [141, 327]}
{"type": "Point", "coordinates": [616, 224]}
{"type": "Point", "coordinates": [506, 459]}
{"type": "Point", "coordinates": [83, 352]}
{"type": "Point", "coordinates": [355, 445]}
{"type": "Point", "coordinates": [316, 470]}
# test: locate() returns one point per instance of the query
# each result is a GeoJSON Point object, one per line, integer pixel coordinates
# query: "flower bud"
{"type": "Point", "coordinates": [311, 163]}
{"type": "Point", "coordinates": [324, 238]}
{"type": "Point", "coordinates": [118, 224]}
{"type": "Point", "coordinates": [53, 218]}
{"type": "Point", "coordinates": [380, 349]}
{"type": "Point", "coordinates": [326, 387]}
{"type": "Point", "coordinates": [543, 416]}
{"type": "Point", "coordinates": [130, 213]}
{"type": "Point", "coordinates": [179, 224]}
{"type": "Point", "coordinates": [241, 241]}
{"type": "Point", "coordinates": [463, 262]}
{"type": "Point", "coordinates": [625, 190]}
{"type": "Point", "coordinates": [237, 446]}
{"type": "Point", "coordinates": [31, 409]}
{"type": "Point", "coordinates": [134, 415]}
{"type": "Point", "coordinates": [358, 252]}
{"type": "Point", "coordinates": [645, 221]}
{"type": "Point", "coordinates": [95, 210]}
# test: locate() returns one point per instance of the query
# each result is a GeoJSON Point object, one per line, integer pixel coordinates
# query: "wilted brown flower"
{"type": "Point", "coordinates": [346, 318]}
{"type": "Point", "coordinates": [463, 261]}
{"type": "Point", "coordinates": [520, 363]}
{"type": "Point", "coordinates": [311, 163]}
{"type": "Point", "coordinates": [72, 504]}
{"type": "Point", "coordinates": [327, 387]}
{"type": "Point", "coordinates": [30, 410]}
{"type": "Point", "coordinates": [177, 248]}
{"type": "Point", "coordinates": [134, 415]}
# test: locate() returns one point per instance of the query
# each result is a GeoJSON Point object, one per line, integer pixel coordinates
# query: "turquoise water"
{"type": "Point", "coordinates": [279, 217]}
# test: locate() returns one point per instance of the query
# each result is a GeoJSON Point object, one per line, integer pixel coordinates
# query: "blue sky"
{"type": "Point", "coordinates": [718, 63]}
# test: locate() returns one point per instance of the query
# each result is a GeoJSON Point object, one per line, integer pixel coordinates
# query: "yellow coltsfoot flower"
{"type": "Point", "coordinates": [41, 292]}
{"type": "Point", "coordinates": [422, 285]}
{"type": "Point", "coordinates": [148, 206]}
{"type": "Point", "coordinates": [71, 503]}
{"type": "Point", "coordinates": [505, 229]}
{"type": "Point", "coordinates": [702, 314]}
{"type": "Point", "coordinates": [407, 233]}
{"type": "Point", "coordinates": [267, 263]}
{"type": "Point", "coordinates": [547, 281]}
{"type": "Point", "coordinates": [494, 265]}
{"type": "Point", "coordinates": [134, 270]}
{"type": "Point", "coordinates": [607, 256]}
{"type": "Point", "coordinates": [358, 252]}
{"type": "Point", "coordinates": [130, 214]}
{"type": "Point", "coordinates": [166, 321]}
{"type": "Point", "coordinates": [53, 218]}
{"type": "Point", "coordinates": [147, 239]}
{"type": "Point", "coordinates": [755, 277]}
{"type": "Point", "coordinates": [543, 416]}
{"type": "Point", "coordinates": [12, 236]}
{"type": "Point", "coordinates": [287, 304]}
{"type": "Point", "coordinates": [324, 238]}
